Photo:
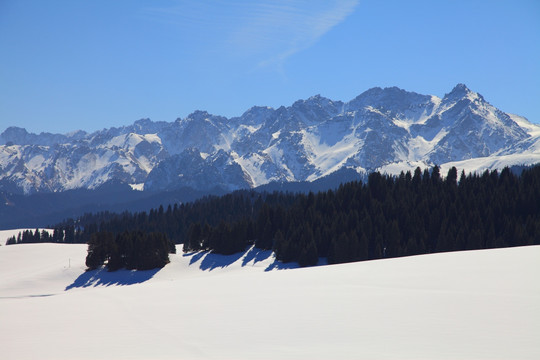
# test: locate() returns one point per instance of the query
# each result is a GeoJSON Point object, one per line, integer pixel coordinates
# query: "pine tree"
{"type": "Point", "coordinates": [392, 240]}
{"type": "Point", "coordinates": [264, 240]}
{"type": "Point", "coordinates": [308, 252]}
{"type": "Point", "coordinates": [363, 248]}
{"type": "Point", "coordinates": [280, 245]}
{"type": "Point", "coordinates": [451, 177]}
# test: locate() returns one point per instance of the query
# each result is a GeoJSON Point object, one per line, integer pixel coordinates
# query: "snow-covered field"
{"type": "Point", "coordinates": [467, 305]}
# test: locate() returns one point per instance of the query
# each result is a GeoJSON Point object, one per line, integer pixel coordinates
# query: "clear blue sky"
{"type": "Point", "coordinates": [81, 64]}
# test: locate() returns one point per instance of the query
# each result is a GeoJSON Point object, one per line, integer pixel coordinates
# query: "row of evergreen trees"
{"type": "Point", "coordinates": [134, 250]}
{"type": "Point", "coordinates": [60, 234]}
{"type": "Point", "coordinates": [175, 220]}
{"type": "Point", "coordinates": [389, 217]}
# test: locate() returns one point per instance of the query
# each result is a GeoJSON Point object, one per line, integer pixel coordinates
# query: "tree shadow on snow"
{"type": "Point", "coordinates": [278, 265]}
{"type": "Point", "coordinates": [256, 255]}
{"type": "Point", "coordinates": [196, 256]}
{"type": "Point", "coordinates": [210, 261]}
{"type": "Point", "coordinates": [102, 277]}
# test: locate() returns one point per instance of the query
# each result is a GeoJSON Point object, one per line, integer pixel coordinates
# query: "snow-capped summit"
{"type": "Point", "coordinates": [386, 129]}
{"type": "Point", "coordinates": [460, 90]}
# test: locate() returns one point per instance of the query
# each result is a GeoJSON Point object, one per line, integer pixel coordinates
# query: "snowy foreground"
{"type": "Point", "coordinates": [468, 305]}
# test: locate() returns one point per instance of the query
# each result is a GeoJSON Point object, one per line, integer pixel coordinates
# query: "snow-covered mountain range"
{"type": "Point", "coordinates": [389, 130]}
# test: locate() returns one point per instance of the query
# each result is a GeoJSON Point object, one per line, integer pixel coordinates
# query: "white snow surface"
{"type": "Point", "coordinates": [464, 305]}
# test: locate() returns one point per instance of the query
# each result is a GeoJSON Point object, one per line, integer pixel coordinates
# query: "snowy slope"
{"type": "Point", "coordinates": [389, 130]}
{"type": "Point", "coordinates": [467, 305]}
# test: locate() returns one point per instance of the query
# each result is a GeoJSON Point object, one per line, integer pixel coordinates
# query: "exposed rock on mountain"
{"type": "Point", "coordinates": [382, 129]}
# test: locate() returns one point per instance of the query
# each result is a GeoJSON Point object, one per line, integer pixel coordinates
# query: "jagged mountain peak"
{"type": "Point", "coordinates": [461, 88]}
{"type": "Point", "coordinates": [199, 114]}
{"type": "Point", "coordinates": [384, 93]}
{"type": "Point", "coordinates": [14, 135]}
{"type": "Point", "coordinates": [257, 110]}
{"type": "Point", "coordinates": [143, 123]}
{"type": "Point", "coordinates": [462, 92]}
{"type": "Point", "coordinates": [317, 100]}
{"type": "Point", "coordinates": [388, 99]}
{"type": "Point", "coordinates": [76, 134]}
{"type": "Point", "coordinates": [317, 97]}
{"type": "Point", "coordinates": [315, 109]}
{"type": "Point", "coordinates": [14, 131]}
{"type": "Point", "coordinates": [204, 116]}
{"type": "Point", "coordinates": [254, 116]}
{"type": "Point", "coordinates": [20, 136]}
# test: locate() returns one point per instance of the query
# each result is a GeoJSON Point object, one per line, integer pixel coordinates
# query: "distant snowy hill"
{"type": "Point", "coordinates": [464, 305]}
{"type": "Point", "coordinates": [387, 129]}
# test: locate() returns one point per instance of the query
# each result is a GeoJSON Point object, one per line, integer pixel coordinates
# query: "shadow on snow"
{"type": "Point", "coordinates": [210, 261]}
{"type": "Point", "coordinates": [102, 277]}
{"type": "Point", "coordinates": [256, 255]}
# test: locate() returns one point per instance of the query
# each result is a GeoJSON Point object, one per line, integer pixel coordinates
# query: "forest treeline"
{"type": "Point", "coordinates": [61, 234]}
{"type": "Point", "coordinates": [414, 213]}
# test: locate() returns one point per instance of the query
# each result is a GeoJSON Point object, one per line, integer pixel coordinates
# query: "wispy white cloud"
{"type": "Point", "coordinates": [268, 31]}
{"type": "Point", "coordinates": [276, 30]}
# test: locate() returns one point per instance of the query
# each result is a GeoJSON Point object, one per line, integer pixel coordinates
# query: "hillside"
{"type": "Point", "coordinates": [465, 305]}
